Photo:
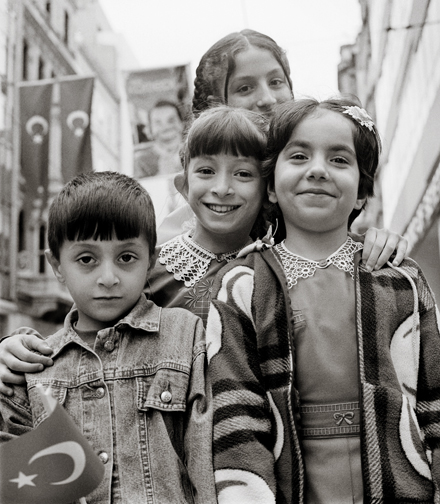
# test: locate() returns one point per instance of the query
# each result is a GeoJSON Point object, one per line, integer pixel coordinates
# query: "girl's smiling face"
{"type": "Point", "coordinates": [317, 175]}
{"type": "Point", "coordinates": [258, 81]}
{"type": "Point", "coordinates": [226, 193]}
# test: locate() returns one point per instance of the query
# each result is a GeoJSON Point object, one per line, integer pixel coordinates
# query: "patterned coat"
{"type": "Point", "coordinates": [251, 351]}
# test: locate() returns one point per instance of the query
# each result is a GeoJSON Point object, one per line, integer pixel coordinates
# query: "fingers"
{"type": "Point", "coordinates": [24, 353]}
{"type": "Point", "coordinates": [402, 251]}
{"type": "Point", "coordinates": [379, 245]}
{"type": "Point", "coordinates": [10, 378]}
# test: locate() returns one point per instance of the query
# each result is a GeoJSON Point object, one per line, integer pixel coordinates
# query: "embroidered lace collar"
{"type": "Point", "coordinates": [296, 266]}
{"type": "Point", "coordinates": [188, 260]}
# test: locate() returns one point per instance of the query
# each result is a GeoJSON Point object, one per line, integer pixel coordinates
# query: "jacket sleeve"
{"type": "Point", "coordinates": [428, 386]}
{"type": "Point", "coordinates": [15, 415]}
{"type": "Point", "coordinates": [242, 424]}
{"type": "Point", "coordinates": [198, 431]}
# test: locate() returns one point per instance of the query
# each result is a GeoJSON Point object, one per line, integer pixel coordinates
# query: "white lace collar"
{"type": "Point", "coordinates": [296, 266]}
{"type": "Point", "coordinates": [188, 260]}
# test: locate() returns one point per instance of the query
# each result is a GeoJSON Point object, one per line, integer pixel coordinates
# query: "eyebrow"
{"type": "Point", "coordinates": [333, 148]}
{"type": "Point", "coordinates": [272, 72]}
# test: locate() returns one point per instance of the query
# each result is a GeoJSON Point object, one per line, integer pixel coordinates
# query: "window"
{"type": "Point", "coordinates": [25, 59]}
{"type": "Point", "coordinates": [66, 28]}
{"type": "Point", "coordinates": [40, 68]}
{"type": "Point", "coordinates": [41, 249]}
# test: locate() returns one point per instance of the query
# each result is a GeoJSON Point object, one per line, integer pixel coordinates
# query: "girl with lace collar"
{"type": "Point", "coordinates": [323, 373]}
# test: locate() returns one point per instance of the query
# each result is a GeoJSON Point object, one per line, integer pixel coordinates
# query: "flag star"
{"type": "Point", "coordinates": [23, 480]}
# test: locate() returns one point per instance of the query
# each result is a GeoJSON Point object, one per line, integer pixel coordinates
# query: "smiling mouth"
{"type": "Point", "coordinates": [317, 192]}
{"type": "Point", "coordinates": [222, 208]}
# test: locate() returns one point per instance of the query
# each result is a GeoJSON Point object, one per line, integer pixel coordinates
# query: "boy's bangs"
{"type": "Point", "coordinates": [104, 221]}
{"type": "Point", "coordinates": [227, 137]}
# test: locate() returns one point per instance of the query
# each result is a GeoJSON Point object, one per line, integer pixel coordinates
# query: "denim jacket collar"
{"type": "Point", "coordinates": [144, 316]}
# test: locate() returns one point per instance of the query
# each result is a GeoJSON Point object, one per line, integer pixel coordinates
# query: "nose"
{"type": "Point", "coordinates": [222, 186]}
{"type": "Point", "coordinates": [266, 97]}
{"type": "Point", "coordinates": [107, 275]}
{"type": "Point", "coordinates": [318, 169]}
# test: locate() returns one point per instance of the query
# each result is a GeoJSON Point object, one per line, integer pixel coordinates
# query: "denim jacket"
{"type": "Point", "coordinates": [141, 399]}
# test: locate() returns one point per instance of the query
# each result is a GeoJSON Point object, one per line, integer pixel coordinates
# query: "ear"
{"type": "Point", "coordinates": [359, 203]}
{"type": "Point", "coordinates": [56, 266]}
{"type": "Point", "coordinates": [181, 185]}
{"type": "Point", "coordinates": [271, 193]}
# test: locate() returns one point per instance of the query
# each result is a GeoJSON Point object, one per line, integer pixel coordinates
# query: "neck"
{"type": "Point", "coordinates": [218, 244]}
{"type": "Point", "coordinates": [314, 245]}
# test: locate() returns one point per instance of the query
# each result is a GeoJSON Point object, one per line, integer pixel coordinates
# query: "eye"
{"type": "Point", "coordinates": [340, 160]}
{"type": "Point", "coordinates": [244, 174]}
{"type": "Point", "coordinates": [244, 89]}
{"type": "Point", "coordinates": [298, 156]}
{"type": "Point", "coordinates": [277, 82]}
{"type": "Point", "coordinates": [205, 170]}
{"type": "Point", "coordinates": [127, 258]}
{"type": "Point", "coordinates": [86, 260]}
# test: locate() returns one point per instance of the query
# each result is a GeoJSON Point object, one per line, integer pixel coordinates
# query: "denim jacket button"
{"type": "Point", "coordinates": [109, 346]}
{"type": "Point", "coordinates": [100, 392]}
{"type": "Point", "coordinates": [166, 396]}
{"type": "Point", "coordinates": [103, 456]}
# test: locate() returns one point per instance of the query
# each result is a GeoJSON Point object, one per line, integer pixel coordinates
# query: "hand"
{"type": "Point", "coordinates": [21, 353]}
{"type": "Point", "coordinates": [379, 245]}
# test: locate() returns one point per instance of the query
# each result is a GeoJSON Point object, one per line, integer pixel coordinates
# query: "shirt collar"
{"type": "Point", "coordinates": [144, 316]}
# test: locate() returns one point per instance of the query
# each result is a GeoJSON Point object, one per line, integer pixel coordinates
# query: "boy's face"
{"type": "Point", "coordinates": [104, 278]}
{"type": "Point", "coordinates": [317, 175]}
{"type": "Point", "coordinates": [226, 193]}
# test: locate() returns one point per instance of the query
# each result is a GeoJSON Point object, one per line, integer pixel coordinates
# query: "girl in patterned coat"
{"type": "Point", "coordinates": [325, 376]}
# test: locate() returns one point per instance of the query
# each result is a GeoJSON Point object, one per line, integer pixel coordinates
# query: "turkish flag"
{"type": "Point", "coordinates": [53, 464]}
{"type": "Point", "coordinates": [35, 109]}
{"type": "Point", "coordinates": [76, 106]}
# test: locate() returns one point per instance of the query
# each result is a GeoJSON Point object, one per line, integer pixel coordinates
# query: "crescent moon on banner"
{"type": "Point", "coordinates": [71, 448]}
{"type": "Point", "coordinates": [37, 119]}
{"type": "Point", "coordinates": [78, 114]}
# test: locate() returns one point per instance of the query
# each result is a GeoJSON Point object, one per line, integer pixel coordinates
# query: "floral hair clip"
{"type": "Point", "coordinates": [360, 115]}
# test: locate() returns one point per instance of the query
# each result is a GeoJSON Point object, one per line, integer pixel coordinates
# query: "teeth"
{"type": "Point", "coordinates": [222, 208]}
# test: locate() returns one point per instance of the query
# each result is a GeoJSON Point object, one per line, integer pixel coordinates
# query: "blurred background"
{"type": "Point", "coordinates": [89, 84]}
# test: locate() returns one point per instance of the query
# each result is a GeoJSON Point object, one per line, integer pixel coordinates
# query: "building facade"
{"type": "Point", "coordinates": [48, 40]}
{"type": "Point", "coordinates": [394, 68]}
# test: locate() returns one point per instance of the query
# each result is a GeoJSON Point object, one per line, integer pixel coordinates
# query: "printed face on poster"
{"type": "Point", "coordinates": [159, 102]}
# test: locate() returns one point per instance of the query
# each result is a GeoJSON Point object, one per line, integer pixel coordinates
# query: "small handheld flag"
{"type": "Point", "coordinates": [53, 463]}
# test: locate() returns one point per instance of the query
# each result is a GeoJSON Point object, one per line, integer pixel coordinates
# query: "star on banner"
{"type": "Point", "coordinates": [23, 480]}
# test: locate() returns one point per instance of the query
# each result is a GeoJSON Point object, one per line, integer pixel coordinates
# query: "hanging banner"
{"type": "Point", "coordinates": [52, 464]}
{"type": "Point", "coordinates": [75, 105]}
{"type": "Point", "coordinates": [159, 103]}
{"type": "Point", "coordinates": [35, 109]}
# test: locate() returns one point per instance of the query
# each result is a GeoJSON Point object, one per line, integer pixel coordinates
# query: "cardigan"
{"type": "Point", "coordinates": [257, 424]}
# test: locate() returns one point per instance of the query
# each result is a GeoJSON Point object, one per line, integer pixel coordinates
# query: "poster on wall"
{"type": "Point", "coordinates": [159, 102]}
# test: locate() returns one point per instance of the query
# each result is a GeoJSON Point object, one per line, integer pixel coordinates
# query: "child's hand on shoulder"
{"type": "Point", "coordinates": [380, 245]}
{"type": "Point", "coordinates": [19, 354]}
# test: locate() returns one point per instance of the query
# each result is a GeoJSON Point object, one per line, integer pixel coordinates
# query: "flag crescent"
{"type": "Point", "coordinates": [71, 448]}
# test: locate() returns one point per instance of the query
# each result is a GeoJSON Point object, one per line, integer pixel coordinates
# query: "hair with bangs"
{"type": "Point", "coordinates": [226, 130]}
{"type": "Point", "coordinates": [101, 206]}
{"type": "Point", "coordinates": [366, 142]}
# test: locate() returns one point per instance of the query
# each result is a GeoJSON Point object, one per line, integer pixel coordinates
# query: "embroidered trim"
{"type": "Point", "coordinates": [189, 261]}
{"type": "Point", "coordinates": [296, 266]}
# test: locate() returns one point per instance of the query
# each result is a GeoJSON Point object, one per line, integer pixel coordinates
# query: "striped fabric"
{"type": "Point", "coordinates": [257, 448]}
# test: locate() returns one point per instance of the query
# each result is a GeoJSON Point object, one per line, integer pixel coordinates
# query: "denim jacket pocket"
{"type": "Point", "coordinates": [165, 390]}
{"type": "Point", "coordinates": [39, 413]}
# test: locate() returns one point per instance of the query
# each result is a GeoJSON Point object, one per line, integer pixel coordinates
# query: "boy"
{"type": "Point", "coordinates": [325, 377]}
{"type": "Point", "coordinates": [131, 375]}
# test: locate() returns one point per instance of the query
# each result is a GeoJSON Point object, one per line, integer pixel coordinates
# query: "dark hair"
{"type": "Point", "coordinates": [98, 206]}
{"type": "Point", "coordinates": [367, 143]}
{"type": "Point", "coordinates": [218, 63]}
{"type": "Point", "coordinates": [166, 103]}
{"type": "Point", "coordinates": [227, 130]}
